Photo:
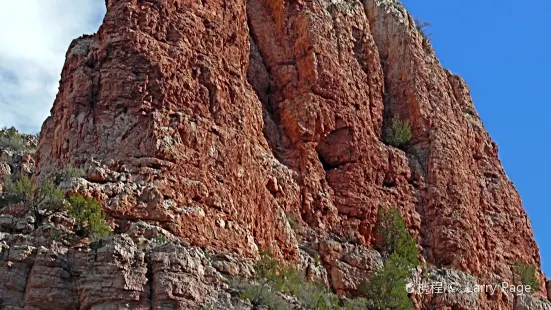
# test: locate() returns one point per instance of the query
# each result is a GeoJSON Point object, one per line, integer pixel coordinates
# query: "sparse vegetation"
{"type": "Point", "coordinates": [525, 274]}
{"type": "Point", "coordinates": [208, 254]}
{"type": "Point", "coordinates": [42, 202]}
{"type": "Point", "coordinates": [274, 278]}
{"type": "Point", "coordinates": [422, 26]}
{"type": "Point", "coordinates": [317, 260]}
{"type": "Point", "coordinates": [89, 217]}
{"type": "Point", "coordinates": [56, 234]}
{"type": "Point", "coordinates": [46, 199]}
{"type": "Point", "coordinates": [395, 237]}
{"type": "Point", "coordinates": [10, 138]}
{"type": "Point", "coordinates": [282, 278]}
{"type": "Point", "coordinates": [68, 173]}
{"type": "Point", "coordinates": [397, 133]}
{"type": "Point", "coordinates": [387, 288]}
{"type": "Point", "coordinates": [161, 239]}
{"type": "Point", "coordinates": [261, 295]}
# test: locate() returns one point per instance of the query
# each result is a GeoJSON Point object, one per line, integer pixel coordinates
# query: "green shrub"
{"type": "Point", "coordinates": [356, 304]}
{"type": "Point", "coordinates": [10, 138]}
{"type": "Point", "coordinates": [273, 277]}
{"type": "Point", "coordinates": [68, 173]}
{"type": "Point", "coordinates": [317, 297]}
{"type": "Point", "coordinates": [422, 26]}
{"type": "Point", "coordinates": [161, 240]}
{"type": "Point", "coordinates": [525, 274]}
{"type": "Point", "coordinates": [387, 287]}
{"type": "Point", "coordinates": [90, 219]}
{"type": "Point", "coordinates": [56, 234]}
{"type": "Point", "coordinates": [395, 236]}
{"type": "Point", "coordinates": [397, 133]}
{"type": "Point", "coordinates": [43, 201]}
{"type": "Point", "coordinates": [270, 278]}
{"type": "Point", "coordinates": [46, 200]}
{"type": "Point", "coordinates": [261, 295]}
{"type": "Point", "coordinates": [283, 278]}
{"type": "Point", "coordinates": [20, 190]}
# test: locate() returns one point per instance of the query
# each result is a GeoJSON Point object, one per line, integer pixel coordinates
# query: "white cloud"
{"type": "Point", "coordinates": [34, 38]}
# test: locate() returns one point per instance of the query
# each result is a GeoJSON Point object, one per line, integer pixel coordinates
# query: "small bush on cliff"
{"type": "Point", "coordinates": [273, 278]}
{"type": "Point", "coordinates": [397, 133]}
{"type": "Point", "coordinates": [283, 278]}
{"type": "Point", "coordinates": [525, 274]}
{"type": "Point", "coordinates": [395, 236]}
{"type": "Point", "coordinates": [387, 287]}
{"type": "Point", "coordinates": [10, 138]}
{"type": "Point", "coordinates": [90, 219]}
{"type": "Point", "coordinates": [46, 200]}
{"type": "Point", "coordinates": [261, 296]}
{"type": "Point", "coordinates": [422, 26]}
{"type": "Point", "coordinates": [68, 173]}
{"type": "Point", "coordinates": [260, 291]}
{"type": "Point", "coordinates": [43, 201]}
{"type": "Point", "coordinates": [161, 240]}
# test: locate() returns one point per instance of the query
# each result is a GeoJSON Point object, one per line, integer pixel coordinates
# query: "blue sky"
{"type": "Point", "coordinates": [503, 50]}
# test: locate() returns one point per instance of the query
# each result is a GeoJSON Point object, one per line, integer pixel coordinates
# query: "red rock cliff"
{"type": "Point", "coordinates": [218, 119]}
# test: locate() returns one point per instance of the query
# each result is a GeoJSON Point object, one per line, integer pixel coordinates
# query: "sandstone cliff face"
{"type": "Point", "coordinates": [222, 120]}
{"type": "Point", "coordinates": [472, 216]}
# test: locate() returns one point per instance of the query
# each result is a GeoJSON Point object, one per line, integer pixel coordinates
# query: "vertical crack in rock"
{"type": "Point", "coordinates": [150, 286]}
{"type": "Point", "coordinates": [28, 280]}
{"type": "Point", "coordinates": [259, 78]}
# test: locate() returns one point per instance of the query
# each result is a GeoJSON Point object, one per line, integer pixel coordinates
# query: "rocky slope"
{"type": "Point", "coordinates": [222, 123]}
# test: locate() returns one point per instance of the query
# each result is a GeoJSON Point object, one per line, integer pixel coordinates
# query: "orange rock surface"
{"type": "Point", "coordinates": [218, 120]}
